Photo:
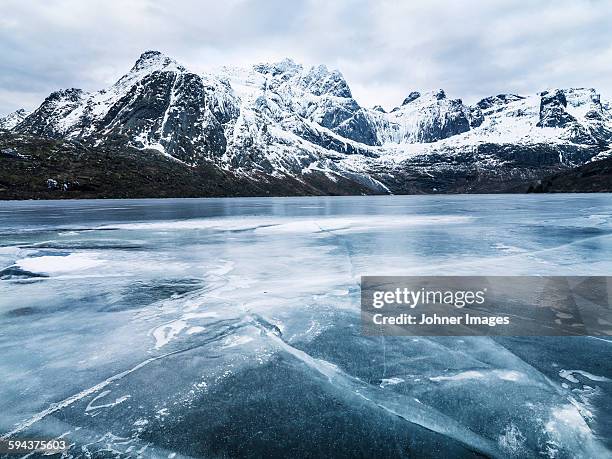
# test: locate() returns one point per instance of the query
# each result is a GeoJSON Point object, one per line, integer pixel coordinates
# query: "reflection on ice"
{"type": "Point", "coordinates": [231, 327]}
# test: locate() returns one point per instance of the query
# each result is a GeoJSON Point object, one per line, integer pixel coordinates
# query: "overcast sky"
{"type": "Point", "coordinates": [385, 49]}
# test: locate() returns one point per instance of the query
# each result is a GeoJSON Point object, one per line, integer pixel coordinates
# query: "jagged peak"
{"type": "Point", "coordinates": [148, 62]}
{"type": "Point", "coordinates": [579, 96]}
{"type": "Point", "coordinates": [571, 92]}
{"type": "Point", "coordinates": [153, 57]}
{"type": "Point", "coordinates": [417, 99]}
{"type": "Point", "coordinates": [284, 66]}
{"type": "Point", "coordinates": [499, 99]}
{"type": "Point", "coordinates": [151, 61]}
{"type": "Point", "coordinates": [72, 94]}
{"type": "Point", "coordinates": [319, 80]}
{"type": "Point", "coordinates": [579, 90]}
{"type": "Point", "coordinates": [322, 71]}
{"type": "Point", "coordinates": [150, 54]}
{"type": "Point", "coordinates": [414, 95]}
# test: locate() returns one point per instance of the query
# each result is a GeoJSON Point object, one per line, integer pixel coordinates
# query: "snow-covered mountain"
{"type": "Point", "coordinates": [280, 120]}
{"type": "Point", "coordinates": [13, 119]}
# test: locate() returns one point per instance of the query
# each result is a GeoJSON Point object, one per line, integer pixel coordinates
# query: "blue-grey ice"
{"type": "Point", "coordinates": [230, 327]}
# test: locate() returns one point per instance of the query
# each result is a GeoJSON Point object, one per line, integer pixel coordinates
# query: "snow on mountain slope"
{"type": "Point", "coordinates": [13, 119]}
{"type": "Point", "coordinates": [281, 119]}
{"type": "Point", "coordinates": [158, 104]}
{"type": "Point", "coordinates": [509, 119]}
{"type": "Point", "coordinates": [423, 119]}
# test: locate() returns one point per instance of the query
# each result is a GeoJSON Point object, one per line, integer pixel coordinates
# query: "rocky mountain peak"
{"type": "Point", "coordinates": [150, 54]}
{"type": "Point", "coordinates": [585, 100]}
{"type": "Point", "coordinates": [553, 109]}
{"type": "Point", "coordinates": [70, 94]}
{"type": "Point", "coordinates": [283, 118]}
{"type": "Point", "coordinates": [148, 63]}
{"type": "Point", "coordinates": [498, 100]}
{"type": "Point", "coordinates": [153, 60]}
{"type": "Point", "coordinates": [286, 66]}
{"type": "Point", "coordinates": [428, 117]}
{"type": "Point", "coordinates": [414, 95]}
{"type": "Point", "coordinates": [418, 99]}
{"type": "Point", "coordinates": [319, 80]}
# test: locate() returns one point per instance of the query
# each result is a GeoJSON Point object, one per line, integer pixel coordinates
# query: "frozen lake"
{"type": "Point", "coordinates": [230, 327]}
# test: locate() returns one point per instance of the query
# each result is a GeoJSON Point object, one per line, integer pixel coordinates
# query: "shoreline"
{"type": "Point", "coordinates": [568, 193]}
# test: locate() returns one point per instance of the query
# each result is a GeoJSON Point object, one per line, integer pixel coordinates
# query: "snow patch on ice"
{"type": "Point", "coordinates": [459, 376]}
{"type": "Point", "coordinates": [164, 334]}
{"type": "Point", "coordinates": [60, 264]}
{"type": "Point", "coordinates": [506, 375]}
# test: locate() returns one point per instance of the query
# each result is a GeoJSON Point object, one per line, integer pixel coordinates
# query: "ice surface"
{"type": "Point", "coordinates": [231, 327]}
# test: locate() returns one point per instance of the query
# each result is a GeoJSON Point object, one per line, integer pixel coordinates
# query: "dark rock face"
{"type": "Point", "coordinates": [552, 110]}
{"type": "Point", "coordinates": [379, 108]}
{"type": "Point", "coordinates": [451, 120]}
{"type": "Point", "coordinates": [142, 108]}
{"type": "Point", "coordinates": [500, 99]}
{"type": "Point", "coordinates": [347, 119]}
{"type": "Point", "coordinates": [476, 117]}
{"type": "Point", "coordinates": [337, 112]}
{"type": "Point", "coordinates": [594, 115]}
{"type": "Point", "coordinates": [171, 109]}
{"type": "Point", "coordinates": [359, 128]}
{"type": "Point", "coordinates": [414, 95]}
{"type": "Point", "coordinates": [194, 122]}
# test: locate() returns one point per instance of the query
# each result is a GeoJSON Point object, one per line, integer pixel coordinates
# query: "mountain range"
{"type": "Point", "coordinates": [282, 128]}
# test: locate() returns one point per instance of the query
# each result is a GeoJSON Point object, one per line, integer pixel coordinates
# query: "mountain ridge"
{"type": "Point", "coordinates": [281, 120]}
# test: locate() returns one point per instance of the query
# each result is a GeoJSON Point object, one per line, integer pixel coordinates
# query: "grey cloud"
{"type": "Point", "coordinates": [384, 48]}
